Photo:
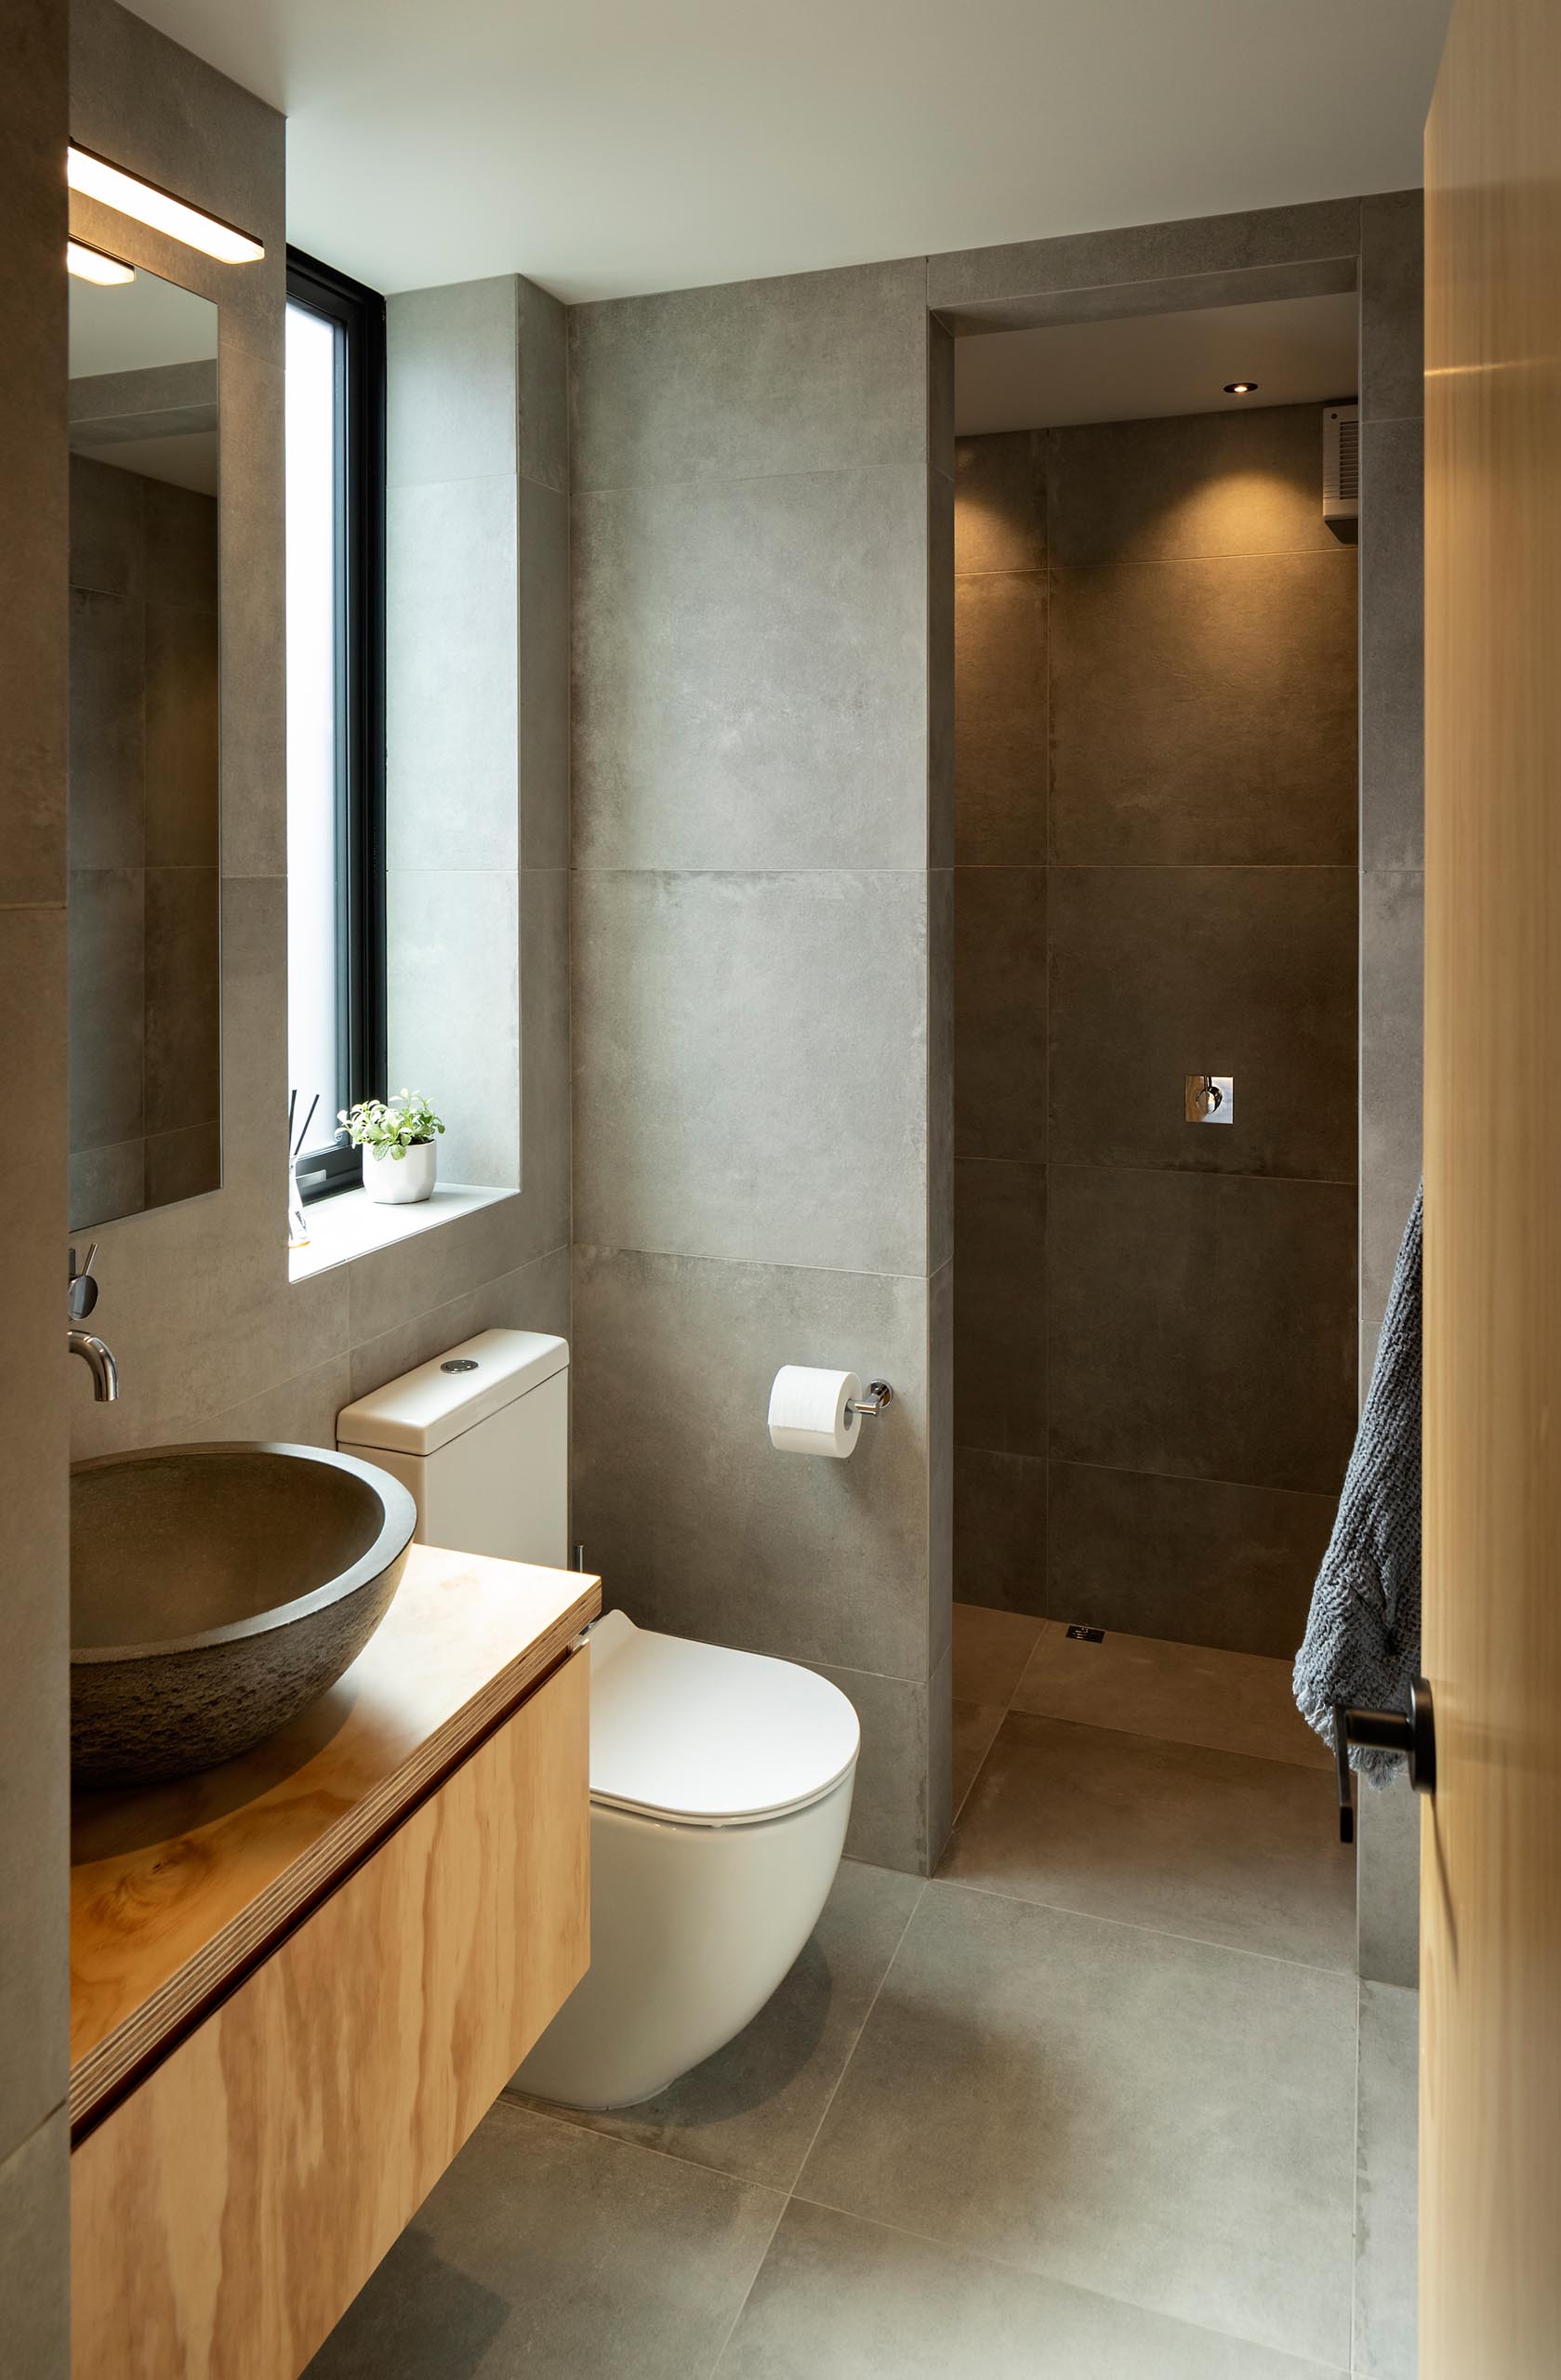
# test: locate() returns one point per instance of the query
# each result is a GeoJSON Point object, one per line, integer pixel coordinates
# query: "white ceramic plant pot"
{"type": "Point", "coordinates": [401, 1182]}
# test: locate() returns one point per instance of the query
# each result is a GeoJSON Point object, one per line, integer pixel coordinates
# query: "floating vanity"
{"type": "Point", "coordinates": [299, 1980]}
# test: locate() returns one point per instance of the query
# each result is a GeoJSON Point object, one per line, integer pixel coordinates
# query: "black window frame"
{"type": "Point", "coordinates": [329, 1163]}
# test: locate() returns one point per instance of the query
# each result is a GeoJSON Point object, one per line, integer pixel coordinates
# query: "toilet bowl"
{"type": "Point", "coordinates": [721, 1782]}
{"type": "Point", "coordinates": [720, 1787]}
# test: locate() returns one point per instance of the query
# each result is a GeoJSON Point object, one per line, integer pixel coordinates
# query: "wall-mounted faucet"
{"type": "Point", "coordinates": [98, 1359]}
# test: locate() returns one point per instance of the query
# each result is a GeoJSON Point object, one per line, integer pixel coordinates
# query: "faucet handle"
{"type": "Point", "coordinates": [84, 1289]}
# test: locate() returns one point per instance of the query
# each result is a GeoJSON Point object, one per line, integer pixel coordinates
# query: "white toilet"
{"type": "Point", "coordinates": [720, 1782]}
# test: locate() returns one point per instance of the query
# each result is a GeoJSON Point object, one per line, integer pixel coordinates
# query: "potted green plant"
{"type": "Point", "coordinates": [397, 1138]}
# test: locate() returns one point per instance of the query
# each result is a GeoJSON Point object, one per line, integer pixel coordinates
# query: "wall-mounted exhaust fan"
{"type": "Point", "coordinates": [1341, 467]}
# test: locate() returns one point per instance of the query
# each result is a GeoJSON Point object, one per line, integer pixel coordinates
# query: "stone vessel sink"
{"type": "Point", "coordinates": [216, 1591]}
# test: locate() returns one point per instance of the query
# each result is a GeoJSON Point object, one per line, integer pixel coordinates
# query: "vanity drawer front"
{"type": "Point", "coordinates": [227, 2213]}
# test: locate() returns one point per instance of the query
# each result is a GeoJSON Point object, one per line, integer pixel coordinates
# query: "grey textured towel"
{"type": "Point", "coordinates": [1362, 1640]}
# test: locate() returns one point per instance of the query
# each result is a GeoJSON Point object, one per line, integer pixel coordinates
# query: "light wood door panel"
{"type": "Point", "coordinates": [1490, 1893]}
{"type": "Point", "coordinates": [227, 2213]}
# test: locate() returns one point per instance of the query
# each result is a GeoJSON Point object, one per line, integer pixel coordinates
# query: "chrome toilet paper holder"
{"type": "Point", "coordinates": [880, 1394]}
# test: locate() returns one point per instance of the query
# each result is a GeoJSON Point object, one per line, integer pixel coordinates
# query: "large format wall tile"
{"type": "Point", "coordinates": [999, 518]}
{"type": "Point", "coordinates": [182, 785]}
{"type": "Point", "coordinates": [750, 673]}
{"type": "Point", "coordinates": [35, 2251]}
{"type": "Point", "coordinates": [898, 1763]}
{"type": "Point", "coordinates": [1391, 1066]}
{"type": "Point", "coordinates": [1392, 305]}
{"type": "Point", "coordinates": [999, 1531]}
{"type": "Point", "coordinates": [1157, 973]}
{"type": "Point", "coordinates": [1190, 488]}
{"type": "Point", "coordinates": [1199, 1561]}
{"type": "Point", "coordinates": [108, 1004]}
{"type": "Point", "coordinates": [1000, 1012]}
{"type": "Point", "coordinates": [1203, 1325]}
{"type": "Point", "coordinates": [999, 717]}
{"type": "Point", "coordinates": [810, 372]}
{"type": "Point", "coordinates": [1392, 645]}
{"type": "Point", "coordinates": [453, 1021]}
{"type": "Point", "coordinates": [108, 733]}
{"type": "Point", "coordinates": [695, 1521]}
{"type": "Point", "coordinates": [999, 1327]}
{"type": "Point", "coordinates": [450, 410]}
{"type": "Point", "coordinates": [107, 528]}
{"type": "Point", "coordinates": [1204, 710]}
{"type": "Point", "coordinates": [183, 999]}
{"type": "Point", "coordinates": [735, 1093]}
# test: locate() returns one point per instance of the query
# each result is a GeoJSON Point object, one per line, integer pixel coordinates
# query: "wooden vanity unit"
{"type": "Point", "coordinates": [298, 1981]}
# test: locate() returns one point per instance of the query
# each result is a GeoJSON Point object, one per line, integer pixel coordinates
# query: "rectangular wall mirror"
{"type": "Point", "coordinates": [143, 811]}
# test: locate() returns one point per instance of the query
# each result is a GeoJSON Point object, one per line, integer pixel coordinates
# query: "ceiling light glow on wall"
{"type": "Point", "coordinates": [1241, 388]}
{"type": "Point", "coordinates": [95, 264]}
{"type": "Point", "coordinates": [95, 177]}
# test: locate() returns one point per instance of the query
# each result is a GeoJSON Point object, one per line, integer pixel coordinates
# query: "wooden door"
{"type": "Point", "coordinates": [1491, 1888]}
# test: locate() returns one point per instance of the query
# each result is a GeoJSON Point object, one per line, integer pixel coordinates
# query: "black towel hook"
{"type": "Point", "coordinates": [1412, 1732]}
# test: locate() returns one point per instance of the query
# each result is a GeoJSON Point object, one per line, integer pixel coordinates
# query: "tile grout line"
{"type": "Point", "coordinates": [1127, 1926]}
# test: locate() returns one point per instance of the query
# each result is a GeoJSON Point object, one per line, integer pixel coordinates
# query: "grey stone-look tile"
{"type": "Point", "coordinates": [451, 794]}
{"type": "Point", "coordinates": [752, 2109]}
{"type": "Point", "coordinates": [940, 1757]}
{"type": "Point", "coordinates": [733, 1096]}
{"type": "Point", "coordinates": [1217, 1845]}
{"type": "Point", "coordinates": [975, 1729]}
{"type": "Point", "coordinates": [1204, 710]}
{"type": "Point", "coordinates": [1391, 1067]}
{"type": "Point", "coordinates": [940, 1465]}
{"type": "Point", "coordinates": [542, 449]}
{"type": "Point", "coordinates": [181, 737]}
{"type": "Point", "coordinates": [695, 1521]}
{"type": "Point", "coordinates": [840, 2299]}
{"type": "Point", "coordinates": [107, 810]}
{"type": "Point", "coordinates": [1392, 305]}
{"type": "Point", "coordinates": [991, 1649]}
{"type": "Point", "coordinates": [1386, 2195]}
{"type": "Point", "coordinates": [1392, 645]}
{"type": "Point", "coordinates": [542, 630]}
{"type": "Point", "coordinates": [1159, 974]}
{"type": "Point", "coordinates": [1191, 487]}
{"type": "Point", "coordinates": [107, 528]}
{"type": "Point", "coordinates": [1159, 2118]}
{"type": "Point", "coordinates": [1203, 1325]}
{"type": "Point", "coordinates": [1387, 1836]}
{"type": "Point", "coordinates": [545, 1028]}
{"type": "Point", "coordinates": [572, 2257]}
{"type": "Point", "coordinates": [453, 1014]}
{"type": "Point", "coordinates": [940, 398]}
{"type": "Point", "coordinates": [999, 1013]}
{"type": "Point", "coordinates": [533, 1297]}
{"type": "Point", "coordinates": [806, 372]}
{"type": "Point", "coordinates": [940, 1027]}
{"type": "Point", "coordinates": [299, 1412]}
{"type": "Point", "coordinates": [182, 533]}
{"type": "Point", "coordinates": [1187, 1694]}
{"type": "Point", "coordinates": [1195, 247]}
{"type": "Point", "coordinates": [412, 1276]}
{"type": "Point", "coordinates": [107, 1181]}
{"type": "Point", "coordinates": [999, 507]}
{"type": "Point", "coordinates": [750, 673]}
{"type": "Point", "coordinates": [253, 658]}
{"type": "Point", "coordinates": [107, 940]}
{"type": "Point", "coordinates": [941, 671]}
{"type": "Point", "coordinates": [183, 997]}
{"type": "Point", "coordinates": [999, 718]}
{"type": "Point", "coordinates": [1000, 1322]}
{"type": "Point", "coordinates": [185, 1162]}
{"type": "Point", "coordinates": [890, 1817]}
{"type": "Point", "coordinates": [999, 1531]}
{"type": "Point", "coordinates": [34, 2254]}
{"type": "Point", "coordinates": [450, 373]}
{"type": "Point", "coordinates": [1202, 1561]}
{"type": "Point", "coordinates": [255, 1084]}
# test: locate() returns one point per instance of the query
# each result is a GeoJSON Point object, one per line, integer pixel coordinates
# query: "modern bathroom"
{"type": "Point", "coordinates": [721, 977]}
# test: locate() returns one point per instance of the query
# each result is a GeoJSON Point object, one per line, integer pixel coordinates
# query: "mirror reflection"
{"type": "Point", "coordinates": [143, 749]}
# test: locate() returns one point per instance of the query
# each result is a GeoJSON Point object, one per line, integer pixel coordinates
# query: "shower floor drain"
{"type": "Point", "coordinates": [1087, 1635]}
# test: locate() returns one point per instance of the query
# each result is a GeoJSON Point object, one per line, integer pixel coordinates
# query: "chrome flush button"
{"type": "Point", "coordinates": [461, 1364]}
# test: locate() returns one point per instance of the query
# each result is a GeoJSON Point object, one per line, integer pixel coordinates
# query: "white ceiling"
{"type": "Point", "coordinates": [609, 146]}
{"type": "Point", "coordinates": [1300, 350]}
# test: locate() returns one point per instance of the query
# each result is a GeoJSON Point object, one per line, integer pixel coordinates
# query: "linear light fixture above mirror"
{"type": "Point", "coordinates": [95, 264]}
{"type": "Point", "coordinates": [96, 178]}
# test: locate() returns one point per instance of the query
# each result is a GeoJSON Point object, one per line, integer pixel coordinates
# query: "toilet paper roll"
{"type": "Point", "coordinates": [808, 1412]}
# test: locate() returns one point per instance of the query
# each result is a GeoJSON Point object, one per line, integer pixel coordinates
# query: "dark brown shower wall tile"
{"type": "Point", "coordinates": [1202, 1325]}
{"type": "Point", "coordinates": [1200, 1561]}
{"type": "Point", "coordinates": [107, 527]}
{"type": "Point", "coordinates": [180, 546]}
{"type": "Point", "coordinates": [107, 745]}
{"type": "Point", "coordinates": [1204, 711]}
{"type": "Point", "coordinates": [1000, 1012]}
{"type": "Point", "coordinates": [1157, 973]}
{"type": "Point", "coordinates": [1189, 487]}
{"type": "Point", "coordinates": [180, 737]}
{"type": "Point", "coordinates": [1000, 501]}
{"type": "Point", "coordinates": [999, 1531]}
{"type": "Point", "coordinates": [999, 1314]}
{"type": "Point", "coordinates": [999, 718]}
{"type": "Point", "coordinates": [183, 997]}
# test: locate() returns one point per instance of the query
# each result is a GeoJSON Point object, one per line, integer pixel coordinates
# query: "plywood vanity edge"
{"type": "Point", "coordinates": [228, 2209]}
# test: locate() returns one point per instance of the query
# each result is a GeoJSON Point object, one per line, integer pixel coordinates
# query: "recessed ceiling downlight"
{"type": "Point", "coordinates": [1241, 388]}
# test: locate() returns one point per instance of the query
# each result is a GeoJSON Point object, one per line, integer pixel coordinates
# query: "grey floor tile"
{"type": "Point", "coordinates": [976, 1727]}
{"type": "Point", "coordinates": [1186, 1694]}
{"type": "Point", "coordinates": [1386, 2195]}
{"type": "Point", "coordinates": [990, 1651]}
{"type": "Point", "coordinates": [839, 2299]}
{"type": "Point", "coordinates": [1161, 2120]}
{"type": "Point", "coordinates": [753, 2108]}
{"type": "Point", "coordinates": [1213, 1845]}
{"type": "Point", "coordinates": [548, 2252]}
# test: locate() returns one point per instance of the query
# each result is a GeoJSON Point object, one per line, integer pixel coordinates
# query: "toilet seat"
{"type": "Point", "coordinates": [699, 1735]}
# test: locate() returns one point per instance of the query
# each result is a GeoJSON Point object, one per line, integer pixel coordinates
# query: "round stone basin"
{"type": "Point", "coordinates": [216, 1591]}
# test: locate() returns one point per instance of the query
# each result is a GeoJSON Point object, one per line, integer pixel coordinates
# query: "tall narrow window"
{"type": "Point", "coordinates": [335, 710]}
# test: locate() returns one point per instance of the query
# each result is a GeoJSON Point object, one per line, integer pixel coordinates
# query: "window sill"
{"type": "Point", "coordinates": [354, 1224]}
